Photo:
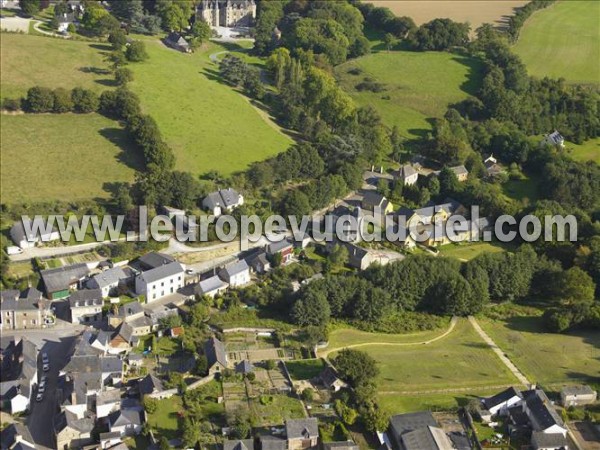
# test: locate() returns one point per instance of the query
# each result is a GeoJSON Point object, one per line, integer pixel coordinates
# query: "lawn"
{"type": "Point", "coordinates": [305, 369]}
{"type": "Point", "coordinates": [468, 251]}
{"type": "Point", "coordinates": [526, 189]}
{"type": "Point", "coordinates": [399, 403]}
{"type": "Point", "coordinates": [165, 420]}
{"type": "Point", "coordinates": [68, 157]}
{"type": "Point", "coordinates": [562, 41]}
{"type": "Point", "coordinates": [276, 410]}
{"type": "Point", "coordinates": [343, 337]}
{"type": "Point", "coordinates": [547, 358]}
{"type": "Point", "coordinates": [208, 124]}
{"type": "Point", "coordinates": [415, 90]}
{"type": "Point", "coordinates": [35, 60]}
{"type": "Point", "coordinates": [588, 151]}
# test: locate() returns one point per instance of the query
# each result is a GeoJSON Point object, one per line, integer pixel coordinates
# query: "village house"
{"type": "Point", "coordinates": [330, 379]}
{"type": "Point", "coordinates": [152, 387]}
{"type": "Point", "coordinates": [407, 174]}
{"type": "Point", "coordinates": [24, 239]}
{"type": "Point", "coordinates": [61, 281]}
{"type": "Point", "coordinates": [108, 281]}
{"type": "Point", "coordinates": [211, 286]}
{"type": "Point", "coordinates": [302, 433]}
{"type": "Point", "coordinates": [18, 375]}
{"type": "Point", "coordinates": [221, 201]}
{"type": "Point", "coordinates": [71, 431]}
{"type": "Point", "coordinates": [215, 353]}
{"type": "Point", "coordinates": [153, 260]}
{"type": "Point", "coordinates": [372, 200]}
{"type": "Point", "coordinates": [161, 281]}
{"type": "Point", "coordinates": [16, 436]}
{"type": "Point", "coordinates": [122, 339]}
{"type": "Point", "coordinates": [554, 139]}
{"type": "Point", "coordinates": [126, 422]}
{"type": "Point", "coordinates": [63, 21]}
{"type": "Point", "coordinates": [492, 166]}
{"type": "Point", "coordinates": [227, 13]}
{"type": "Point", "coordinates": [342, 445]}
{"type": "Point", "coordinates": [577, 396]}
{"type": "Point", "coordinates": [20, 311]}
{"type": "Point", "coordinates": [429, 214]}
{"type": "Point", "coordinates": [285, 248]}
{"type": "Point", "coordinates": [126, 313]}
{"type": "Point", "coordinates": [107, 402]}
{"type": "Point", "coordinates": [237, 444]}
{"type": "Point", "coordinates": [86, 306]}
{"type": "Point", "coordinates": [177, 42]}
{"type": "Point", "coordinates": [236, 274]}
{"type": "Point", "coordinates": [461, 172]}
{"type": "Point", "coordinates": [501, 402]}
{"type": "Point", "coordinates": [418, 431]}
{"type": "Point", "coordinates": [259, 263]}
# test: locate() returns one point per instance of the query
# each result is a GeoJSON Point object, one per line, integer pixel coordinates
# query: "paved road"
{"type": "Point", "coordinates": [507, 362]}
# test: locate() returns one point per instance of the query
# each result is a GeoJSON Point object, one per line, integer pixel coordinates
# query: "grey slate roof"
{"type": "Point", "coordinates": [244, 444]}
{"type": "Point", "coordinates": [372, 199]}
{"type": "Point", "coordinates": [259, 260]}
{"type": "Point", "coordinates": [153, 260]}
{"type": "Point", "coordinates": [548, 440]}
{"type": "Point", "coordinates": [111, 364]}
{"type": "Point", "coordinates": [540, 407]}
{"type": "Point", "coordinates": [427, 438]}
{"type": "Point", "coordinates": [459, 170]}
{"type": "Point", "coordinates": [13, 301]}
{"type": "Point", "coordinates": [577, 390]}
{"type": "Point", "coordinates": [403, 423]}
{"type": "Point", "coordinates": [276, 247]}
{"type": "Point", "coordinates": [110, 277]}
{"type": "Point", "coordinates": [124, 417]}
{"type": "Point", "coordinates": [177, 39]}
{"type": "Point", "coordinates": [269, 442]}
{"type": "Point", "coordinates": [225, 198]}
{"type": "Point", "coordinates": [108, 397]}
{"type": "Point", "coordinates": [214, 350]}
{"type": "Point", "coordinates": [150, 384]}
{"type": "Point", "coordinates": [8, 437]}
{"type": "Point", "coordinates": [161, 272]}
{"type": "Point", "coordinates": [406, 171]}
{"type": "Point", "coordinates": [302, 428]}
{"type": "Point", "coordinates": [501, 397]}
{"type": "Point", "coordinates": [343, 445]}
{"type": "Point", "coordinates": [61, 278]}
{"type": "Point", "coordinates": [86, 297]}
{"type": "Point", "coordinates": [210, 284]}
{"type": "Point", "coordinates": [130, 309]}
{"type": "Point", "coordinates": [236, 268]}
{"type": "Point", "coordinates": [18, 234]}
{"type": "Point", "coordinates": [244, 366]}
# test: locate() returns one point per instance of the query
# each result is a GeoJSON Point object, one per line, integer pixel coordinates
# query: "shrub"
{"type": "Point", "coordinates": [62, 101]}
{"type": "Point", "coordinates": [39, 100]}
{"type": "Point", "coordinates": [11, 104]}
{"type": "Point", "coordinates": [136, 52]}
{"type": "Point", "coordinates": [150, 405]}
{"type": "Point", "coordinates": [84, 100]}
{"type": "Point", "coordinates": [123, 76]}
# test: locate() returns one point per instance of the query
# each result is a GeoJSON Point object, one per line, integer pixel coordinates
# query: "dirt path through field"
{"type": "Point", "coordinates": [327, 351]}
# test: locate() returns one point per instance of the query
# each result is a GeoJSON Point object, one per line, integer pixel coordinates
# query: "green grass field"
{"type": "Point", "coordinates": [466, 252]}
{"type": "Point", "coordinates": [418, 85]}
{"type": "Point", "coordinates": [547, 358]}
{"type": "Point", "coordinates": [305, 369]}
{"type": "Point", "coordinates": [562, 41]}
{"type": "Point", "coordinates": [526, 189]}
{"type": "Point", "coordinates": [165, 420]}
{"type": "Point", "coordinates": [62, 157]}
{"type": "Point", "coordinates": [588, 151]}
{"type": "Point", "coordinates": [35, 60]}
{"type": "Point", "coordinates": [397, 403]}
{"type": "Point", "coordinates": [348, 336]}
{"type": "Point", "coordinates": [209, 125]}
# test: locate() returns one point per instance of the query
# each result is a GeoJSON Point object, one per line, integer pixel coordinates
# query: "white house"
{"type": "Point", "coordinates": [554, 139]}
{"type": "Point", "coordinates": [499, 403]}
{"type": "Point", "coordinates": [160, 281]}
{"type": "Point", "coordinates": [23, 235]}
{"type": "Point", "coordinates": [224, 200]}
{"type": "Point", "coordinates": [408, 174]}
{"type": "Point", "coordinates": [18, 374]}
{"type": "Point", "coordinates": [86, 305]}
{"type": "Point", "coordinates": [107, 281]}
{"type": "Point", "coordinates": [237, 274]}
{"type": "Point", "coordinates": [107, 402]}
{"type": "Point", "coordinates": [211, 286]}
{"type": "Point", "coordinates": [127, 422]}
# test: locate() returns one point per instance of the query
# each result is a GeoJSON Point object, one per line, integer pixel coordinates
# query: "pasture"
{"type": "Point", "coordinates": [35, 60]}
{"type": "Point", "coordinates": [562, 41]}
{"type": "Point", "coordinates": [413, 89]}
{"type": "Point", "coordinates": [547, 358]}
{"type": "Point", "coordinates": [476, 12]}
{"type": "Point", "coordinates": [588, 151]}
{"type": "Point", "coordinates": [63, 157]}
{"type": "Point", "coordinates": [208, 124]}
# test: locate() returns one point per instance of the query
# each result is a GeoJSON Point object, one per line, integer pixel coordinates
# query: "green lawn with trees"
{"type": "Point", "coordinates": [63, 157]}
{"type": "Point", "coordinates": [547, 358]}
{"type": "Point", "coordinates": [208, 125]}
{"type": "Point", "coordinates": [58, 63]}
{"type": "Point", "coordinates": [588, 151]}
{"type": "Point", "coordinates": [402, 88]}
{"type": "Point", "coordinates": [562, 41]}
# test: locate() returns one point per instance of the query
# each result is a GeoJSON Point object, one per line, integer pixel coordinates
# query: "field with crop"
{"type": "Point", "coordinates": [63, 157]}
{"type": "Point", "coordinates": [410, 92]}
{"type": "Point", "coordinates": [208, 124]}
{"type": "Point", "coordinates": [562, 41]}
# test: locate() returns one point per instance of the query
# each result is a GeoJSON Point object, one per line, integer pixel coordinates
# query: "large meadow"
{"type": "Point", "coordinates": [562, 41]}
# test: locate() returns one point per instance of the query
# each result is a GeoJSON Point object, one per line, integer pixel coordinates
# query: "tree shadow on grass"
{"type": "Point", "coordinates": [103, 47]}
{"type": "Point", "coordinates": [94, 70]}
{"type": "Point", "coordinates": [474, 75]}
{"type": "Point", "coordinates": [129, 154]}
{"type": "Point", "coordinates": [107, 82]}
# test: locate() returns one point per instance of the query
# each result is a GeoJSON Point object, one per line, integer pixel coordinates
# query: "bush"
{"type": "Point", "coordinates": [62, 101]}
{"type": "Point", "coordinates": [123, 76]}
{"type": "Point", "coordinates": [369, 84]}
{"type": "Point", "coordinates": [39, 100]}
{"type": "Point", "coordinates": [84, 100]}
{"type": "Point", "coordinates": [150, 405]}
{"type": "Point", "coordinates": [136, 52]}
{"type": "Point", "coordinates": [11, 104]}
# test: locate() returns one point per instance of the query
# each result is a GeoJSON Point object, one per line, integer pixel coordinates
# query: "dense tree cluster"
{"type": "Point", "coordinates": [382, 18]}
{"type": "Point", "coordinates": [240, 74]}
{"type": "Point", "coordinates": [517, 20]}
{"type": "Point", "coordinates": [440, 34]}
{"type": "Point", "coordinates": [44, 100]}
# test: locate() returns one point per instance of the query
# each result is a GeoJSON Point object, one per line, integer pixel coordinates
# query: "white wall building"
{"type": "Point", "coordinates": [237, 274]}
{"type": "Point", "coordinates": [160, 282]}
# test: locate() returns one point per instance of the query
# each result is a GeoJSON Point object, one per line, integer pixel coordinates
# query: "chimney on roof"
{"type": "Point", "coordinates": [381, 169]}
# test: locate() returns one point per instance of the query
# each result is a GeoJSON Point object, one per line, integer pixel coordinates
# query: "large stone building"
{"type": "Point", "coordinates": [227, 13]}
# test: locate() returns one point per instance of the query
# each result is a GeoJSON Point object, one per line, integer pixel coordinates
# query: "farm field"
{"type": "Point", "coordinates": [412, 94]}
{"type": "Point", "coordinates": [208, 125]}
{"type": "Point", "coordinates": [562, 41]}
{"type": "Point", "coordinates": [547, 358]}
{"type": "Point", "coordinates": [66, 157]}
{"type": "Point", "coordinates": [58, 63]}
{"type": "Point", "coordinates": [476, 12]}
